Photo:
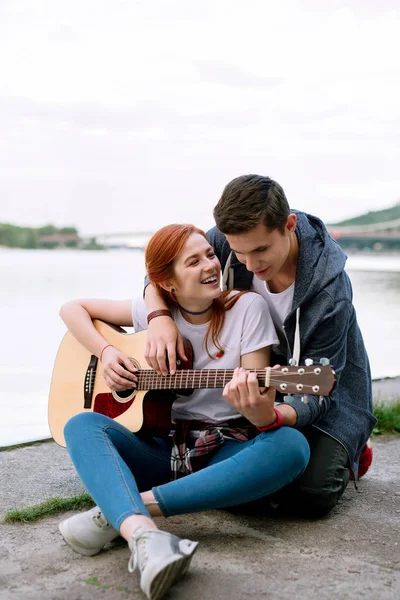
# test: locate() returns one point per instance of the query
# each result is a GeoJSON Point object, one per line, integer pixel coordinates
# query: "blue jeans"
{"type": "Point", "coordinates": [115, 465]}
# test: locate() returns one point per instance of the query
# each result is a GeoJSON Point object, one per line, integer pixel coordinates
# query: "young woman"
{"type": "Point", "coordinates": [221, 453]}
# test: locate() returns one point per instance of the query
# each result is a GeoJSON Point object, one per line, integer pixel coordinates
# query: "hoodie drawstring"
{"type": "Point", "coordinates": [296, 345]}
{"type": "Point", "coordinates": [227, 282]}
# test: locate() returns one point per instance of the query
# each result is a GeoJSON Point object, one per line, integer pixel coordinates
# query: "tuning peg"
{"type": "Point", "coordinates": [308, 362]}
{"type": "Point", "coordinates": [288, 398]}
{"type": "Point", "coordinates": [292, 362]}
{"type": "Point", "coordinates": [304, 399]}
{"type": "Point", "coordinates": [324, 361]}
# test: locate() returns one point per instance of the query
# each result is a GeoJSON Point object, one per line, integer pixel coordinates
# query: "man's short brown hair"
{"type": "Point", "coordinates": [249, 200]}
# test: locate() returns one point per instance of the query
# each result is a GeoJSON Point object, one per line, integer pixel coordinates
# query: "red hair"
{"type": "Point", "coordinates": [163, 248]}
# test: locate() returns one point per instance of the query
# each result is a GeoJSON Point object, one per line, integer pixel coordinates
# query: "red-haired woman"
{"type": "Point", "coordinates": [221, 453]}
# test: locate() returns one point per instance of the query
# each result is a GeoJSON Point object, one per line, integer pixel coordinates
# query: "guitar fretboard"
{"type": "Point", "coordinates": [190, 379]}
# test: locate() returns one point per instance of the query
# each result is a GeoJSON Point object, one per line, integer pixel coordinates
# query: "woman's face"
{"type": "Point", "coordinates": [196, 273]}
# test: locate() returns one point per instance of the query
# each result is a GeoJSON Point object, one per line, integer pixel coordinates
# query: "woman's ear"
{"type": "Point", "coordinates": [168, 286]}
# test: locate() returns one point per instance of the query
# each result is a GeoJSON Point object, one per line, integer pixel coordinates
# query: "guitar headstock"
{"type": "Point", "coordinates": [319, 380]}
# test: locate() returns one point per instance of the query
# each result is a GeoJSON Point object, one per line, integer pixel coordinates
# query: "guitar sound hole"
{"type": "Point", "coordinates": [125, 393]}
{"type": "Point", "coordinates": [124, 396]}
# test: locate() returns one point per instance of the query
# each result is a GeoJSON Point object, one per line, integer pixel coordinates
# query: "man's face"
{"type": "Point", "coordinates": [263, 252]}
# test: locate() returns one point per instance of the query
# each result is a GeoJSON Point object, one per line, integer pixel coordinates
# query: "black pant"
{"type": "Point", "coordinates": [322, 484]}
{"type": "Point", "coordinates": [318, 489]}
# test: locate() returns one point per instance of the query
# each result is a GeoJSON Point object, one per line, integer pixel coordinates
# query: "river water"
{"type": "Point", "coordinates": [34, 284]}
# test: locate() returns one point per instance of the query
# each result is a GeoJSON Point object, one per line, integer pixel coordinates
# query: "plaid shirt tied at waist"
{"type": "Point", "coordinates": [195, 442]}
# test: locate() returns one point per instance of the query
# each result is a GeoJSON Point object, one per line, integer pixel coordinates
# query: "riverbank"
{"type": "Point", "coordinates": [352, 554]}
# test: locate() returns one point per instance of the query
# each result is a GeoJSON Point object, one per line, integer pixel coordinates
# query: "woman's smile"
{"type": "Point", "coordinates": [212, 280]}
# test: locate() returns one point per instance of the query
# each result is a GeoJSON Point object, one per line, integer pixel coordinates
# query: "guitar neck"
{"type": "Point", "coordinates": [190, 379]}
{"type": "Point", "coordinates": [315, 379]}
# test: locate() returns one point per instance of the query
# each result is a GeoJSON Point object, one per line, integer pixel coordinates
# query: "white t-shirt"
{"type": "Point", "coordinates": [279, 304]}
{"type": "Point", "coordinates": [248, 327]}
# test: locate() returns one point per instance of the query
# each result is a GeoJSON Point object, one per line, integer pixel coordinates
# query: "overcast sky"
{"type": "Point", "coordinates": [127, 115]}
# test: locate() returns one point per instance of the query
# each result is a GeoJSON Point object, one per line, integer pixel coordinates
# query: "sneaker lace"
{"type": "Point", "coordinates": [100, 520]}
{"type": "Point", "coordinates": [138, 543]}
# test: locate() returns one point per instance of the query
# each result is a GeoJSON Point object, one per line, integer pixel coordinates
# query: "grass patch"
{"type": "Point", "coordinates": [49, 507]}
{"type": "Point", "coordinates": [25, 445]}
{"type": "Point", "coordinates": [388, 416]}
{"type": "Point", "coordinates": [105, 586]}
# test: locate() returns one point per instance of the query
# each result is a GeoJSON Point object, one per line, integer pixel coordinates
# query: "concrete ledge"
{"type": "Point", "coordinates": [386, 390]}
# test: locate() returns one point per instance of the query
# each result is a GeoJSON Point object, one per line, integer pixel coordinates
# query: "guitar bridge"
{"type": "Point", "coordinates": [89, 381]}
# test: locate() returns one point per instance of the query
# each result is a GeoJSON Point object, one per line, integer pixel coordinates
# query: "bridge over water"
{"type": "Point", "coordinates": [381, 236]}
{"type": "Point", "coordinates": [386, 235]}
{"type": "Point", "coordinates": [134, 240]}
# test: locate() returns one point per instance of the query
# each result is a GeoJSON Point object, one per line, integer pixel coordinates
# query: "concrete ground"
{"type": "Point", "coordinates": [353, 553]}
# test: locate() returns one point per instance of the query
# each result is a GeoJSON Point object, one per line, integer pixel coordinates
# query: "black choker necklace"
{"type": "Point", "coordinates": [190, 312]}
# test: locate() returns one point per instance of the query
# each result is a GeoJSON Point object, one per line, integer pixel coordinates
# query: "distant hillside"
{"type": "Point", "coordinates": [375, 216]}
{"type": "Point", "coordinates": [46, 237]}
{"type": "Point", "coordinates": [14, 236]}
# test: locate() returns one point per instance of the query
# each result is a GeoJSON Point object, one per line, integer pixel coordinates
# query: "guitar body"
{"type": "Point", "coordinates": [76, 387]}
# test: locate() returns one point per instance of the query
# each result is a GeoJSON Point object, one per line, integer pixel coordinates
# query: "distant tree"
{"type": "Point", "coordinates": [6, 237]}
{"type": "Point", "coordinates": [13, 236]}
{"type": "Point", "coordinates": [93, 245]}
{"type": "Point", "coordinates": [30, 238]}
{"type": "Point", "coordinates": [47, 230]}
{"type": "Point", "coordinates": [68, 230]}
{"type": "Point", "coordinates": [17, 237]}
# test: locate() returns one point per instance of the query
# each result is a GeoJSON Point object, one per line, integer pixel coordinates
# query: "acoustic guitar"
{"type": "Point", "coordinates": [78, 385]}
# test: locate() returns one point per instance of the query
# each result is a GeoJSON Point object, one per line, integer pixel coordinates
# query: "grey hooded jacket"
{"type": "Point", "coordinates": [327, 327]}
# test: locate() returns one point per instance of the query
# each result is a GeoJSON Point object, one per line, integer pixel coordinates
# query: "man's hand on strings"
{"type": "Point", "coordinates": [244, 394]}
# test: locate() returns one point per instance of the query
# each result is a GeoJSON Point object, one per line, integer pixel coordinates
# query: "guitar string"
{"type": "Point", "coordinates": [203, 372]}
{"type": "Point", "coordinates": [199, 372]}
{"type": "Point", "coordinates": [144, 385]}
{"type": "Point", "coordinates": [218, 384]}
{"type": "Point", "coordinates": [197, 377]}
{"type": "Point", "coordinates": [148, 378]}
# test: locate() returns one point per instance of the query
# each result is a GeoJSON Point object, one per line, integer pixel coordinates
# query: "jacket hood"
{"type": "Point", "coordinates": [320, 258]}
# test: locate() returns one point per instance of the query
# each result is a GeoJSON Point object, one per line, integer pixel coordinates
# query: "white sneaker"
{"type": "Point", "coordinates": [161, 558]}
{"type": "Point", "coordinates": [87, 532]}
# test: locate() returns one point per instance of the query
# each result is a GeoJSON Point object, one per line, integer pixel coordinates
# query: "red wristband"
{"type": "Point", "coordinates": [278, 423]}
{"type": "Point", "coordinates": [108, 346]}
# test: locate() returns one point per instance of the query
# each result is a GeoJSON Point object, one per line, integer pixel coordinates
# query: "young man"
{"type": "Point", "coordinates": [291, 260]}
